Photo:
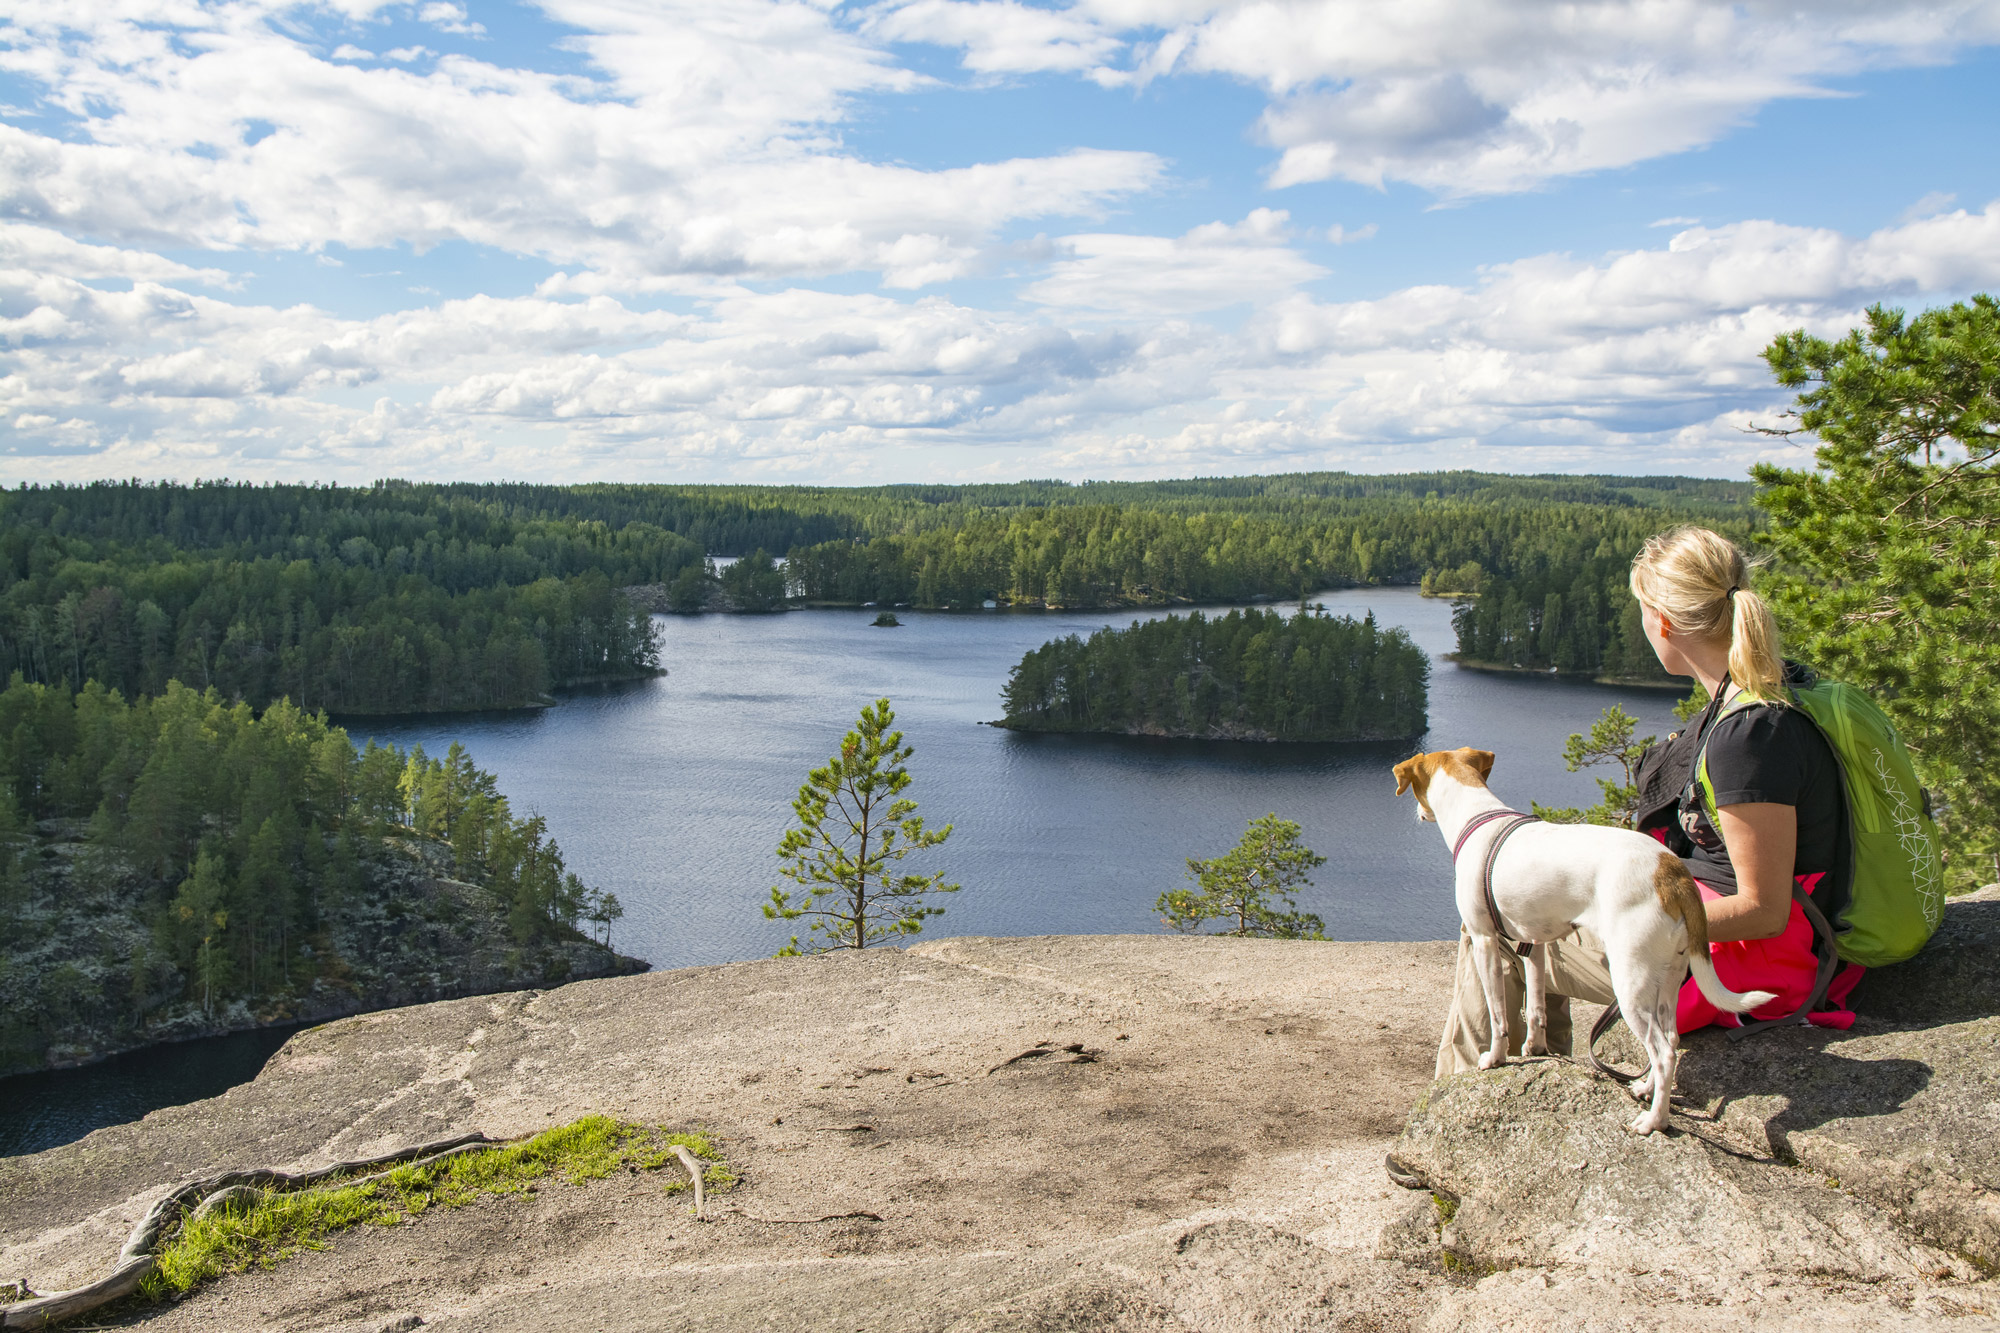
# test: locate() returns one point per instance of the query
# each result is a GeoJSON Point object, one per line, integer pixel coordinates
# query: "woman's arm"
{"type": "Point", "coordinates": [1763, 840]}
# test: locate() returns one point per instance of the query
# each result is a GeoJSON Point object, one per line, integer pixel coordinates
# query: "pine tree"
{"type": "Point", "coordinates": [855, 827]}
{"type": "Point", "coordinates": [1888, 573]}
{"type": "Point", "coordinates": [1251, 886]}
{"type": "Point", "coordinates": [1609, 742]}
{"type": "Point", "coordinates": [198, 920]}
{"type": "Point", "coordinates": [688, 594]}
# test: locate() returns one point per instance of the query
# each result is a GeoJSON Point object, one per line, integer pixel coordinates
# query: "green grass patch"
{"type": "Point", "coordinates": [237, 1237]}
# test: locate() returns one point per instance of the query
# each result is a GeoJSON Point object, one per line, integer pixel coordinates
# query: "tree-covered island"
{"type": "Point", "coordinates": [1247, 675]}
{"type": "Point", "coordinates": [179, 865]}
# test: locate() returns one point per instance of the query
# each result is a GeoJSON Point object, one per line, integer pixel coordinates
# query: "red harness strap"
{"type": "Point", "coordinates": [1515, 819]}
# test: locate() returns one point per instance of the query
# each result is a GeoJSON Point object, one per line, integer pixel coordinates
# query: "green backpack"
{"type": "Point", "coordinates": [1895, 887]}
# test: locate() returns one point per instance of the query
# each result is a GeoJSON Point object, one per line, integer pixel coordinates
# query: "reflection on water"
{"type": "Point", "coordinates": [673, 792]}
{"type": "Point", "coordinates": [39, 1111]}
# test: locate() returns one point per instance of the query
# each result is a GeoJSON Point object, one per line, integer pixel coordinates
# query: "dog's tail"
{"type": "Point", "coordinates": [1681, 900]}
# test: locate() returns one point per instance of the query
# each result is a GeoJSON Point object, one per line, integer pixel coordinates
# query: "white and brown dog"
{"type": "Point", "coordinates": [1624, 887]}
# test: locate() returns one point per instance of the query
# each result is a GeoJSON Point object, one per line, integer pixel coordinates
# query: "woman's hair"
{"type": "Point", "coordinates": [1700, 580]}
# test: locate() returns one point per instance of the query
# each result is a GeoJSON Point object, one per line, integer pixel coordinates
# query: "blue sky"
{"type": "Point", "coordinates": [959, 239]}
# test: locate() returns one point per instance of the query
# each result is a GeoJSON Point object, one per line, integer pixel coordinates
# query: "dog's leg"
{"type": "Point", "coordinates": [1639, 1018]}
{"type": "Point", "coordinates": [1665, 1054]}
{"type": "Point", "coordinates": [1637, 986]}
{"type": "Point", "coordinates": [1492, 981]}
{"type": "Point", "coordinates": [1537, 969]}
{"type": "Point", "coordinates": [1654, 1029]}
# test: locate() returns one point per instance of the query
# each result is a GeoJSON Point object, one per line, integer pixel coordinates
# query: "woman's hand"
{"type": "Point", "coordinates": [1763, 840]}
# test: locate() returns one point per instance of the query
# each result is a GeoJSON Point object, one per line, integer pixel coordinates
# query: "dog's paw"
{"type": "Point", "coordinates": [1648, 1123]}
{"type": "Point", "coordinates": [1641, 1088]}
{"type": "Point", "coordinates": [1535, 1046]}
{"type": "Point", "coordinates": [1492, 1060]}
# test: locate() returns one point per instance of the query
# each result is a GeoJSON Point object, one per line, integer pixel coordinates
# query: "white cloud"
{"type": "Point", "coordinates": [1646, 358]}
{"type": "Point", "coordinates": [1937, 201]}
{"type": "Point", "coordinates": [999, 36]}
{"type": "Point", "coordinates": [701, 146]}
{"type": "Point", "coordinates": [40, 250]}
{"type": "Point", "coordinates": [447, 17]}
{"type": "Point", "coordinates": [699, 159]}
{"type": "Point", "coordinates": [1210, 267]}
{"type": "Point", "coordinates": [1467, 97]}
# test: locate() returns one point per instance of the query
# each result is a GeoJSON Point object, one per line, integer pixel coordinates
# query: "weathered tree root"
{"type": "Point", "coordinates": [1077, 1055]}
{"type": "Point", "coordinates": [693, 1165]}
{"type": "Point", "coordinates": [141, 1252]}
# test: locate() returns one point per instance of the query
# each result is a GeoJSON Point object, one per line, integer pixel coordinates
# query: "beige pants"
{"type": "Point", "coordinates": [1576, 970]}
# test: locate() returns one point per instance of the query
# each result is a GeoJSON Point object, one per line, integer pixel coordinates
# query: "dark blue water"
{"type": "Point", "coordinates": [673, 793]}
{"type": "Point", "coordinates": [42, 1110]}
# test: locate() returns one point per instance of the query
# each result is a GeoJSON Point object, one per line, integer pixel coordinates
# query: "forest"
{"type": "Point", "coordinates": [393, 600]}
{"type": "Point", "coordinates": [165, 861]}
{"type": "Point", "coordinates": [402, 598]}
{"type": "Point", "coordinates": [1580, 620]}
{"type": "Point", "coordinates": [1246, 675]}
{"type": "Point", "coordinates": [1129, 544]}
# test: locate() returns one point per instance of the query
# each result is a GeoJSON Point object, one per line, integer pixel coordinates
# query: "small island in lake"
{"type": "Point", "coordinates": [1248, 675]}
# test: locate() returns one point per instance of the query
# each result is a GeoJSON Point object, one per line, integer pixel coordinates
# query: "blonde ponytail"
{"type": "Point", "coordinates": [1754, 662]}
{"type": "Point", "coordinates": [1700, 580]}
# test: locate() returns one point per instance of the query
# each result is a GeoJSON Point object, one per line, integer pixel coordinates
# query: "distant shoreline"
{"type": "Point", "coordinates": [1253, 737]}
{"type": "Point", "coordinates": [1549, 673]}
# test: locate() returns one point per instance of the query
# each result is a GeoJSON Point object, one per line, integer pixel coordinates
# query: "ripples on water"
{"type": "Point", "coordinates": [674, 792]}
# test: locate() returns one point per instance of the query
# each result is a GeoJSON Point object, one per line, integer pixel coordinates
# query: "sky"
{"type": "Point", "coordinates": [960, 240]}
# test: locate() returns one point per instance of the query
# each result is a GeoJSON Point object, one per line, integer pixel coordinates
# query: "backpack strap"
{"type": "Point", "coordinates": [1828, 961]}
{"type": "Point", "coordinates": [1698, 788]}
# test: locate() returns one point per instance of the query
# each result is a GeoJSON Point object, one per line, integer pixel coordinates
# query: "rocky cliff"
{"type": "Point", "coordinates": [1103, 1133]}
{"type": "Point", "coordinates": [81, 977]}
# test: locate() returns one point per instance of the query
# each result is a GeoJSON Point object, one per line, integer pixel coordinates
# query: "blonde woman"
{"type": "Point", "coordinates": [1768, 819]}
{"type": "Point", "coordinates": [1749, 795]}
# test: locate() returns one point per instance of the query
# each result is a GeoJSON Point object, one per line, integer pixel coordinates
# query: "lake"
{"type": "Point", "coordinates": [673, 793]}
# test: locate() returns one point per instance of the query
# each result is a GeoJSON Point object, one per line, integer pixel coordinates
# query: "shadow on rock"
{"type": "Point", "coordinates": [1953, 979]}
{"type": "Point", "coordinates": [1533, 1165]}
{"type": "Point", "coordinates": [1816, 1085]}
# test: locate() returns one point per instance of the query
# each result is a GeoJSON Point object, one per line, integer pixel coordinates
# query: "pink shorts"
{"type": "Point", "coordinates": [1784, 965]}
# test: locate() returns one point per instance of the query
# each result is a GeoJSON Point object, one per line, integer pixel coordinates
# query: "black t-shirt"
{"type": "Point", "coordinates": [1766, 753]}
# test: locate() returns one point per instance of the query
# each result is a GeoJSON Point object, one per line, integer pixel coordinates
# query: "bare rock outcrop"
{"type": "Point", "coordinates": [1128, 1133]}
{"type": "Point", "coordinates": [1864, 1165]}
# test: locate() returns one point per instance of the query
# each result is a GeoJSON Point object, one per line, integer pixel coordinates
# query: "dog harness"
{"type": "Point", "coordinates": [1479, 821]}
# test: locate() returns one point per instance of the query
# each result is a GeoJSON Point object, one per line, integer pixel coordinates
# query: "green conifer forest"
{"type": "Point", "coordinates": [1247, 675]}
{"type": "Point", "coordinates": [180, 864]}
{"type": "Point", "coordinates": [401, 598]}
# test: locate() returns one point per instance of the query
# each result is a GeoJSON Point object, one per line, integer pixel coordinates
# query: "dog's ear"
{"type": "Point", "coordinates": [1406, 774]}
{"type": "Point", "coordinates": [1481, 761]}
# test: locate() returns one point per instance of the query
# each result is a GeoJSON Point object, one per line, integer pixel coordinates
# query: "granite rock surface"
{"type": "Point", "coordinates": [1138, 1133]}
